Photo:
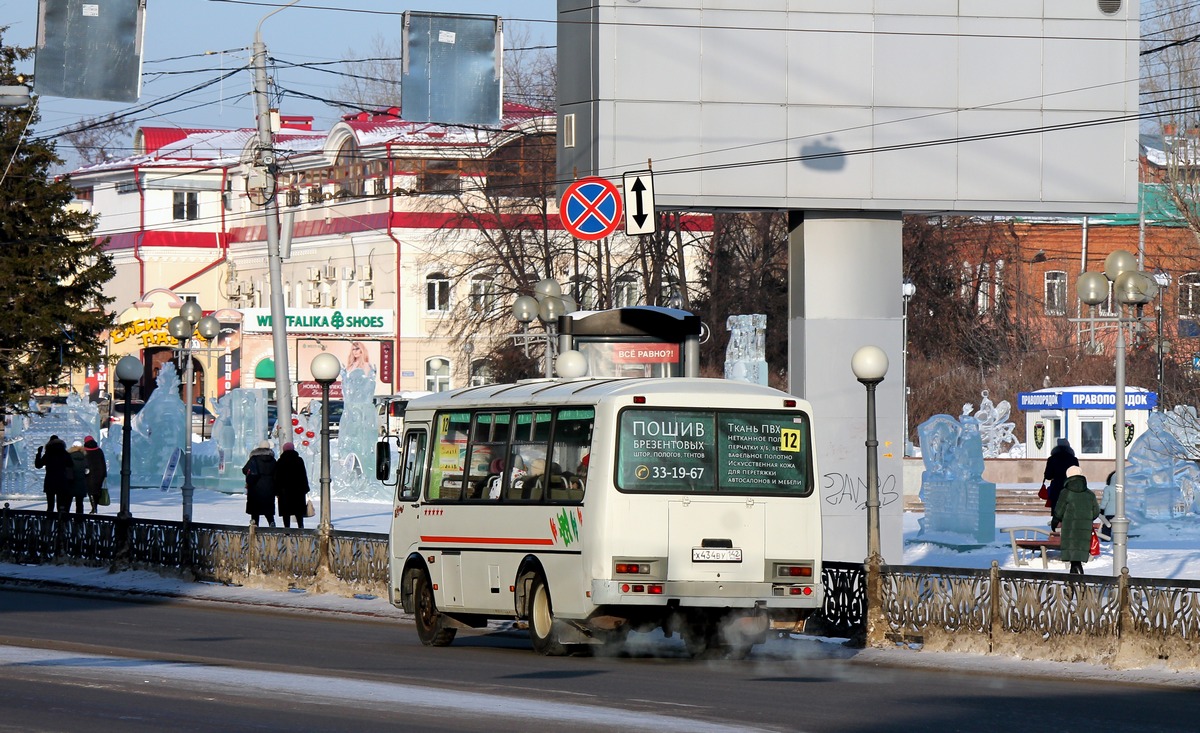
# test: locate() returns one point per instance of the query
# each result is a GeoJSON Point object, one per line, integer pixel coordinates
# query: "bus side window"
{"type": "Point", "coordinates": [530, 442]}
{"type": "Point", "coordinates": [412, 469]}
{"type": "Point", "coordinates": [572, 443]}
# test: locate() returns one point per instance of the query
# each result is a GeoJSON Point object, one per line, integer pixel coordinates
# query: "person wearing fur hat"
{"type": "Point", "coordinates": [78, 482]}
{"type": "Point", "coordinates": [97, 470]}
{"type": "Point", "coordinates": [291, 485]}
{"type": "Point", "coordinates": [260, 484]}
{"type": "Point", "coordinates": [1062, 457]}
{"type": "Point", "coordinates": [1075, 511]}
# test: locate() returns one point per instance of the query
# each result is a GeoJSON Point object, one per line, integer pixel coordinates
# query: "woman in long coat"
{"type": "Point", "coordinates": [260, 484]}
{"type": "Point", "coordinates": [97, 470]}
{"type": "Point", "coordinates": [291, 485]}
{"type": "Point", "coordinates": [79, 483]}
{"type": "Point", "coordinates": [1062, 457]}
{"type": "Point", "coordinates": [1075, 511]}
{"type": "Point", "coordinates": [60, 471]}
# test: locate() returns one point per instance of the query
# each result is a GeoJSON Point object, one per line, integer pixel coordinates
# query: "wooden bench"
{"type": "Point", "coordinates": [1027, 542]}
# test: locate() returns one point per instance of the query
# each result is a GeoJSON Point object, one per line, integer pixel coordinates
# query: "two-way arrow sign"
{"type": "Point", "coordinates": [639, 203]}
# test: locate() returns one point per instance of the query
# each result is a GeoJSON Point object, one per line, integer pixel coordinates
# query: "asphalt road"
{"type": "Point", "coordinates": [179, 665]}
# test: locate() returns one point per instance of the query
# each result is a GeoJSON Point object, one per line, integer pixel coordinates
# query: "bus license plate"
{"type": "Point", "coordinates": [716, 554]}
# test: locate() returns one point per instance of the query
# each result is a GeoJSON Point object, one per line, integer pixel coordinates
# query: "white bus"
{"type": "Point", "coordinates": [589, 508]}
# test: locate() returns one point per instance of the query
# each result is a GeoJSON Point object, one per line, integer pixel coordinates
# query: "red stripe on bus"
{"type": "Point", "coordinates": [490, 540]}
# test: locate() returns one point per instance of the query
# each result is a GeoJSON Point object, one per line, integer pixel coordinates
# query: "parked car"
{"type": "Point", "coordinates": [116, 415]}
{"type": "Point", "coordinates": [202, 421]}
{"type": "Point", "coordinates": [335, 416]}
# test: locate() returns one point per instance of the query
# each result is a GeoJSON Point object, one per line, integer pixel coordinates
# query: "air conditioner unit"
{"type": "Point", "coordinates": [347, 273]}
{"type": "Point", "coordinates": [248, 288]}
{"type": "Point", "coordinates": [330, 272]}
{"type": "Point", "coordinates": [326, 300]}
{"type": "Point", "coordinates": [314, 297]}
{"type": "Point", "coordinates": [367, 272]}
{"type": "Point", "coordinates": [314, 274]}
{"type": "Point", "coordinates": [368, 292]}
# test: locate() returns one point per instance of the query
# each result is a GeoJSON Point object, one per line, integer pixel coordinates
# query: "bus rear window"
{"type": "Point", "coordinates": [695, 451]}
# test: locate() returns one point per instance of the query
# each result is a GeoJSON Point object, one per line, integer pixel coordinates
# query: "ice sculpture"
{"type": "Point", "coordinates": [746, 354]}
{"type": "Point", "coordinates": [995, 430]}
{"type": "Point", "coordinates": [1161, 479]}
{"type": "Point", "coordinates": [358, 432]}
{"type": "Point", "coordinates": [73, 420]}
{"type": "Point", "coordinates": [956, 497]}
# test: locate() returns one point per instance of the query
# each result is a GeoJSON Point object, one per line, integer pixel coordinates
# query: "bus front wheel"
{"type": "Point", "coordinates": [541, 620]}
{"type": "Point", "coordinates": [431, 629]}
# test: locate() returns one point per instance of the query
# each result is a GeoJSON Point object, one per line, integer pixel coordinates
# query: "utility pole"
{"type": "Point", "coordinates": [266, 167]}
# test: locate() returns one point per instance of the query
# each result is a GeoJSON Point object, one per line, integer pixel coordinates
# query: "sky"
{"type": "Point", "coordinates": [192, 42]}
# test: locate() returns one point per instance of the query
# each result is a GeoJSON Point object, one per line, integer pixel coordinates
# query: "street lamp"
{"type": "Point", "coordinates": [1130, 286]}
{"type": "Point", "coordinates": [129, 372]}
{"type": "Point", "coordinates": [183, 327]}
{"type": "Point", "coordinates": [907, 291]}
{"type": "Point", "coordinates": [1164, 347]}
{"type": "Point", "coordinates": [325, 369]}
{"type": "Point", "coordinates": [546, 304]}
{"type": "Point", "coordinates": [870, 365]}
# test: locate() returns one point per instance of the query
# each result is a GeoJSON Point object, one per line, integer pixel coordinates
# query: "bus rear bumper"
{"type": "Point", "coordinates": [704, 594]}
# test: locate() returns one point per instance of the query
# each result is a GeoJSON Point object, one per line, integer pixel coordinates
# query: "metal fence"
{"type": "Point", "coordinates": [1122, 622]}
{"type": "Point", "coordinates": [221, 553]}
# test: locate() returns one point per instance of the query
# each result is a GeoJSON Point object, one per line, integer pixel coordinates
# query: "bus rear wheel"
{"type": "Point", "coordinates": [431, 629]}
{"type": "Point", "coordinates": [541, 620]}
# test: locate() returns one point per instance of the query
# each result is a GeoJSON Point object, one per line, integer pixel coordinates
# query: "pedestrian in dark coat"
{"type": "Point", "coordinates": [1061, 458]}
{"type": "Point", "coordinates": [79, 483]}
{"type": "Point", "coordinates": [1075, 511]}
{"type": "Point", "coordinates": [260, 484]}
{"type": "Point", "coordinates": [97, 470]}
{"type": "Point", "coordinates": [291, 485]}
{"type": "Point", "coordinates": [59, 470]}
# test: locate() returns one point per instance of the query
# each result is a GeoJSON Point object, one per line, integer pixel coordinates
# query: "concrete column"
{"type": "Point", "coordinates": [845, 277]}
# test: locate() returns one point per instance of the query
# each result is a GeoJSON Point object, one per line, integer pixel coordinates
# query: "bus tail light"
{"type": "Point", "coordinates": [639, 400]}
{"type": "Point", "coordinates": [793, 571]}
{"type": "Point", "coordinates": [789, 403]}
{"type": "Point", "coordinates": [632, 568]}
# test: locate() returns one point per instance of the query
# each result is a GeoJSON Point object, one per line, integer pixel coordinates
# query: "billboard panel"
{"type": "Point", "coordinates": [452, 68]}
{"type": "Point", "coordinates": [852, 104]}
{"type": "Point", "coordinates": [90, 49]}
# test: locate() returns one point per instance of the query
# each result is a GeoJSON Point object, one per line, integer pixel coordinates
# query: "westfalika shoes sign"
{"type": "Point", "coordinates": [323, 320]}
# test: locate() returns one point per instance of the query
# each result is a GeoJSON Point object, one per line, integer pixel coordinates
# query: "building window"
{"type": "Point", "coordinates": [1091, 437]}
{"type": "Point", "coordinates": [482, 373]}
{"type": "Point", "coordinates": [185, 205]}
{"type": "Point", "coordinates": [439, 176]}
{"type": "Point", "coordinates": [1056, 293]}
{"type": "Point", "coordinates": [483, 294]}
{"type": "Point", "coordinates": [437, 293]}
{"type": "Point", "coordinates": [1108, 307]}
{"type": "Point", "coordinates": [626, 292]}
{"type": "Point", "coordinates": [437, 374]}
{"type": "Point", "coordinates": [84, 194]}
{"type": "Point", "coordinates": [1189, 295]}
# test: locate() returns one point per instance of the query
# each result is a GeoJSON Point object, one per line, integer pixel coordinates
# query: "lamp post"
{"type": "Point", "coordinates": [907, 291]}
{"type": "Point", "coordinates": [183, 327]}
{"type": "Point", "coordinates": [1130, 286]}
{"type": "Point", "coordinates": [1163, 279]}
{"type": "Point", "coordinates": [325, 369]}
{"type": "Point", "coordinates": [546, 304]}
{"type": "Point", "coordinates": [870, 364]}
{"type": "Point", "coordinates": [129, 372]}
